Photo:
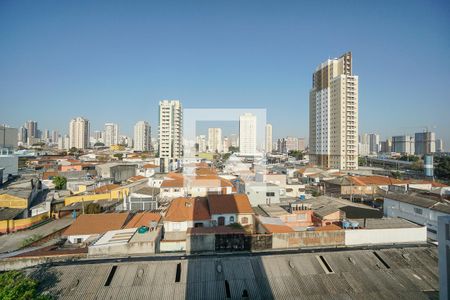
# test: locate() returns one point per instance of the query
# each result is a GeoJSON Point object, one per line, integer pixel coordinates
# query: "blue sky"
{"type": "Point", "coordinates": [112, 61]}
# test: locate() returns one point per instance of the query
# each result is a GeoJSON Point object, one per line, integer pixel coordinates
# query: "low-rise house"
{"type": "Point", "coordinates": [360, 186]}
{"type": "Point", "coordinates": [117, 171]}
{"type": "Point", "coordinates": [179, 185]}
{"type": "Point", "coordinates": [92, 226]}
{"type": "Point", "coordinates": [144, 198]}
{"type": "Point", "coordinates": [259, 192]}
{"type": "Point", "coordinates": [418, 208]}
{"type": "Point", "coordinates": [184, 213]}
{"type": "Point", "coordinates": [229, 209]}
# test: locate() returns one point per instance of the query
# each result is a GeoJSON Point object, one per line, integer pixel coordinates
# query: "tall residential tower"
{"type": "Point", "coordinates": [142, 139]}
{"type": "Point", "coordinates": [79, 133]}
{"type": "Point", "coordinates": [333, 115]}
{"type": "Point", "coordinates": [247, 134]}
{"type": "Point", "coordinates": [170, 131]}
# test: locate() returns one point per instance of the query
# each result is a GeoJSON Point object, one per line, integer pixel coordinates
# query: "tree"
{"type": "Point", "coordinates": [93, 208]}
{"type": "Point", "coordinates": [407, 157]}
{"type": "Point", "coordinates": [59, 182]}
{"type": "Point", "coordinates": [297, 154]}
{"type": "Point", "coordinates": [442, 169]}
{"type": "Point", "coordinates": [233, 149]}
{"type": "Point", "coordinates": [396, 175]}
{"type": "Point", "coordinates": [119, 156]}
{"type": "Point", "coordinates": [14, 285]}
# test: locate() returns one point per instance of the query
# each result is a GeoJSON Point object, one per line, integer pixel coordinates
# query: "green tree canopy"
{"type": "Point", "coordinates": [93, 208]}
{"type": "Point", "coordinates": [119, 156]}
{"type": "Point", "coordinates": [59, 182]}
{"type": "Point", "coordinates": [14, 285]}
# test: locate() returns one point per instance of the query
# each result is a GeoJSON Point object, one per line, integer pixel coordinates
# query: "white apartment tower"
{"type": "Point", "coordinates": [215, 140]}
{"type": "Point", "coordinates": [247, 134]}
{"type": "Point", "coordinates": [333, 115]}
{"type": "Point", "coordinates": [170, 129]}
{"type": "Point", "coordinates": [201, 141]}
{"type": "Point", "coordinates": [142, 138]}
{"type": "Point", "coordinates": [269, 144]}
{"type": "Point", "coordinates": [111, 134]}
{"type": "Point", "coordinates": [79, 133]}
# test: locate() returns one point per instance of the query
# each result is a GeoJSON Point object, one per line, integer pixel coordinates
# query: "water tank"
{"type": "Point", "coordinates": [345, 224]}
{"type": "Point", "coordinates": [302, 197]}
{"type": "Point", "coordinates": [354, 224]}
{"type": "Point", "coordinates": [428, 165]}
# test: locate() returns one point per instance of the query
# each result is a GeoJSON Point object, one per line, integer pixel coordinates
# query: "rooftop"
{"type": "Point", "coordinates": [143, 219]}
{"type": "Point", "coordinates": [232, 203]}
{"type": "Point", "coordinates": [96, 224]}
{"type": "Point", "coordinates": [187, 209]}
{"type": "Point", "coordinates": [397, 273]}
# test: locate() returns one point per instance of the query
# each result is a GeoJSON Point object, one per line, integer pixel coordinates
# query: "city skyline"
{"type": "Point", "coordinates": [272, 65]}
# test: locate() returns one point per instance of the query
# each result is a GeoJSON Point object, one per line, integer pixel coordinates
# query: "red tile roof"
{"type": "Point", "coordinates": [374, 180]}
{"type": "Point", "coordinates": [209, 181]}
{"type": "Point", "coordinates": [272, 228]}
{"type": "Point", "coordinates": [136, 178]}
{"type": "Point", "coordinates": [96, 224]}
{"type": "Point", "coordinates": [229, 204]}
{"type": "Point", "coordinates": [106, 188]}
{"type": "Point", "coordinates": [150, 166]}
{"type": "Point", "coordinates": [188, 209]}
{"type": "Point", "coordinates": [143, 219]}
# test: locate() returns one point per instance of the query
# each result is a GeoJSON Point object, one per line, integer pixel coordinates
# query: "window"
{"type": "Point", "coordinates": [231, 219]}
{"type": "Point", "coordinates": [221, 221]}
{"type": "Point", "coordinates": [270, 194]}
{"type": "Point", "coordinates": [418, 210]}
{"type": "Point", "coordinates": [244, 220]}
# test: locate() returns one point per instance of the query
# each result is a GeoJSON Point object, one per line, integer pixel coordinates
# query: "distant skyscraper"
{"type": "Point", "coordinates": [226, 145]}
{"type": "Point", "coordinates": [281, 146]}
{"type": "Point", "coordinates": [439, 145]}
{"type": "Point", "coordinates": [32, 129]}
{"type": "Point", "coordinates": [54, 136]}
{"type": "Point", "coordinates": [142, 137]}
{"type": "Point", "coordinates": [403, 144]}
{"type": "Point", "coordinates": [215, 140]}
{"type": "Point", "coordinates": [374, 143]}
{"type": "Point", "coordinates": [301, 144]}
{"type": "Point", "coordinates": [333, 115]}
{"type": "Point", "coordinates": [8, 137]}
{"type": "Point", "coordinates": [202, 143]}
{"type": "Point", "coordinates": [234, 140]}
{"type": "Point", "coordinates": [170, 131]}
{"type": "Point", "coordinates": [22, 136]}
{"type": "Point", "coordinates": [425, 143]}
{"type": "Point", "coordinates": [79, 133]}
{"type": "Point", "coordinates": [247, 134]}
{"type": "Point", "coordinates": [269, 138]}
{"type": "Point", "coordinates": [111, 134]}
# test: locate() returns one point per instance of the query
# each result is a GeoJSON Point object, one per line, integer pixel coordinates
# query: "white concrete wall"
{"type": "Point", "coordinates": [73, 238]}
{"type": "Point", "coordinates": [166, 246]}
{"type": "Point", "coordinates": [385, 236]}
{"type": "Point", "coordinates": [183, 226]}
{"type": "Point", "coordinates": [215, 218]}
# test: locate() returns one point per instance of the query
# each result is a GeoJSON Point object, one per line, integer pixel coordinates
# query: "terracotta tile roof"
{"type": "Point", "coordinates": [96, 224]}
{"type": "Point", "coordinates": [209, 181]}
{"type": "Point", "coordinates": [272, 228]}
{"type": "Point", "coordinates": [433, 183]}
{"type": "Point", "coordinates": [188, 209]}
{"type": "Point", "coordinates": [136, 178]}
{"type": "Point", "coordinates": [106, 188]}
{"type": "Point", "coordinates": [374, 180]}
{"type": "Point", "coordinates": [330, 227]}
{"type": "Point", "coordinates": [143, 219]}
{"type": "Point", "coordinates": [150, 166]}
{"type": "Point", "coordinates": [205, 171]}
{"type": "Point", "coordinates": [232, 203]}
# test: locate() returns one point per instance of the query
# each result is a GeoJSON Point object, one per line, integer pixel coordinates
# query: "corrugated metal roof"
{"type": "Point", "coordinates": [358, 274]}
